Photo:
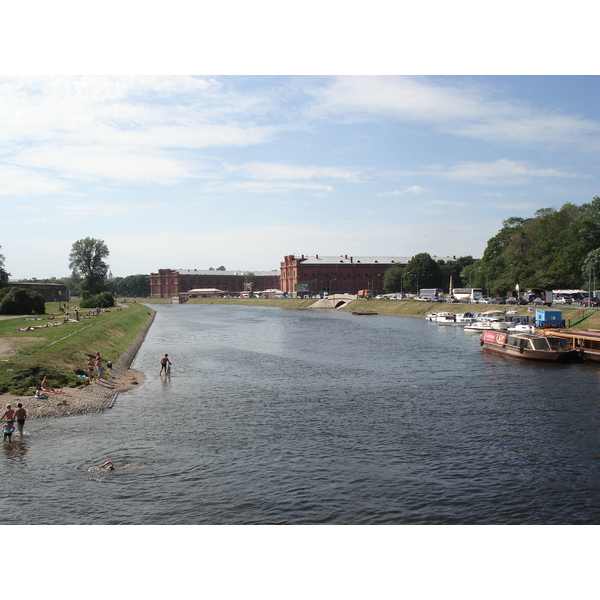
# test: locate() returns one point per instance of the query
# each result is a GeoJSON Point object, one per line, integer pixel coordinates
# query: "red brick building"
{"type": "Point", "coordinates": [169, 282]}
{"type": "Point", "coordinates": [335, 274]}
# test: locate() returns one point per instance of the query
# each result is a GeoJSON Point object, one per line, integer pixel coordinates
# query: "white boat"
{"type": "Point", "coordinates": [479, 325]}
{"type": "Point", "coordinates": [446, 318]}
{"type": "Point", "coordinates": [466, 318]}
{"type": "Point", "coordinates": [522, 328]}
{"type": "Point", "coordinates": [431, 316]}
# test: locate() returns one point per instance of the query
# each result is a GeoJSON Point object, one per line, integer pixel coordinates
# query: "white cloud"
{"type": "Point", "coordinates": [413, 189]}
{"type": "Point", "coordinates": [454, 107]}
{"type": "Point", "coordinates": [278, 171]}
{"type": "Point", "coordinates": [500, 172]}
{"type": "Point", "coordinates": [16, 181]}
{"type": "Point", "coordinates": [121, 128]}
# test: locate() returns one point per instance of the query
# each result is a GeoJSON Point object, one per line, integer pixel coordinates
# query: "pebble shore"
{"type": "Point", "coordinates": [95, 397]}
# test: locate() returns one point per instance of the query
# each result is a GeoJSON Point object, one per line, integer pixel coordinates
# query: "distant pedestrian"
{"type": "Point", "coordinates": [20, 416]}
{"type": "Point", "coordinates": [90, 368]}
{"type": "Point", "coordinates": [165, 365]}
{"type": "Point", "coordinates": [99, 365]}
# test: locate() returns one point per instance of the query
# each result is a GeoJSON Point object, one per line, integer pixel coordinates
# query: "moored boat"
{"type": "Point", "coordinates": [587, 343]}
{"type": "Point", "coordinates": [529, 345]}
{"type": "Point", "coordinates": [446, 318]}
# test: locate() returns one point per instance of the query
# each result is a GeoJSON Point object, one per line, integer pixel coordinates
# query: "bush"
{"type": "Point", "coordinates": [18, 301]}
{"type": "Point", "coordinates": [103, 300]}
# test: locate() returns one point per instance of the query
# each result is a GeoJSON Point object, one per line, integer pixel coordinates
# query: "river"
{"type": "Point", "coordinates": [275, 416]}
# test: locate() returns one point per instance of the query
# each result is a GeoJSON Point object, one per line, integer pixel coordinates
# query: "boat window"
{"type": "Point", "coordinates": [540, 344]}
{"type": "Point", "coordinates": [558, 343]}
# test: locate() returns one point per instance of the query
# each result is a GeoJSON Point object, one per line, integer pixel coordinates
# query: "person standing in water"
{"type": "Point", "coordinates": [20, 416]}
{"type": "Point", "coordinates": [165, 365]}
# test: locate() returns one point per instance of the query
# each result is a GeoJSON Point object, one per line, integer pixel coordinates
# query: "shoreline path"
{"type": "Point", "coordinates": [91, 398]}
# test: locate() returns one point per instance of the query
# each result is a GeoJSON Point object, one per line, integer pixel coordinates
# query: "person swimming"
{"type": "Point", "coordinates": [107, 465]}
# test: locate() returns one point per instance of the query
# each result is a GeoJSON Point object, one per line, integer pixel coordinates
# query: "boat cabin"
{"type": "Point", "coordinates": [549, 319]}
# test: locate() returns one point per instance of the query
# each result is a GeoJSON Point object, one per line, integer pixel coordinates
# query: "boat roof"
{"type": "Point", "coordinates": [590, 335]}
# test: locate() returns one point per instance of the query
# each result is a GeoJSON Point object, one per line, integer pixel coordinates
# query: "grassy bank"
{"type": "Point", "coordinates": [62, 352]}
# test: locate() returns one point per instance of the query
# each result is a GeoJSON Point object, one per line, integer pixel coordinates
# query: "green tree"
{"type": "Point", "coordinates": [20, 301]}
{"type": "Point", "coordinates": [86, 262]}
{"type": "Point", "coordinates": [132, 285]}
{"type": "Point", "coordinates": [392, 279]}
{"type": "Point", "coordinates": [590, 268]}
{"type": "Point", "coordinates": [422, 272]}
{"type": "Point", "coordinates": [3, 274]}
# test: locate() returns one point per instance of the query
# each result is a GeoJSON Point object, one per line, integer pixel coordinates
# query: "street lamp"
{"type": "Point", "coordinates": [373, 284]}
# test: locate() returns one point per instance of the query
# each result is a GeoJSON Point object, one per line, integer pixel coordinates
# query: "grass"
{"type": "Point", "coordinates": [62, 352]}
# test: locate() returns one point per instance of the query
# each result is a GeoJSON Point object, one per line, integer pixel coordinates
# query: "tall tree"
{"type": "Point", "coordinates": [3, 274]}
{"type": "Point", "coordinates": [392, 279]}
{"type": "Point", "coordinates": [422, 272]}
{"type": "Point", "coordinates": [86, 261]}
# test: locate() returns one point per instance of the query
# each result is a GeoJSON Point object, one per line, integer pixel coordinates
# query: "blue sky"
{"type": "Point", "coordinates": [202, 171]}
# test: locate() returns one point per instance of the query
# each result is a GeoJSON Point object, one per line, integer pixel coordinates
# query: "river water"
{"type": "Point", "coordinates": [275, 416]}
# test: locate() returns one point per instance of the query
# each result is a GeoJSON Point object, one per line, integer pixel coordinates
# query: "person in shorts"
{"type": "Point", "coordinates": [165, 365]}
{"type": "Point", "coordinates": [99, 365]}
{"type": "Point", "coordinates": [20, 416]}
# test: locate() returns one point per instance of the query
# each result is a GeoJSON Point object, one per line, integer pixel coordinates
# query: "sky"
{"type": "Point", "coordinates": [239, 171]}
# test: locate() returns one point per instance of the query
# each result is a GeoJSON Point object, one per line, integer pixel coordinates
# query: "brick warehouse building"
{"type": "Point", "coordinates": [335, 274]}
{"type": "Point", "coordinates": [169, 282]}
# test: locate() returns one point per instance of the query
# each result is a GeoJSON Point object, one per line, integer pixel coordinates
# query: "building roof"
{"type": "Point", "coordinates": [223, 273]}
{"type": "Point", "coordinates": [368, 260]}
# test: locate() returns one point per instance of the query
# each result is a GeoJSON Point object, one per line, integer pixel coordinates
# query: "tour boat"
{"type": "Point", "coordinates": [529, 345]}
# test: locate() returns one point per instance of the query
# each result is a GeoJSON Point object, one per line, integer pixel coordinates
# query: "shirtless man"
{"type": "Point", "coordinates": [46, 385]}
{"type": "Point", "coordinates": [164, 364]}
{"type": "Point", "coordinates": [20, 416]}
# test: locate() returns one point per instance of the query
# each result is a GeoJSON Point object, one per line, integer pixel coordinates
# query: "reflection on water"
{"type": "Point", "coordinates": [277, 416]}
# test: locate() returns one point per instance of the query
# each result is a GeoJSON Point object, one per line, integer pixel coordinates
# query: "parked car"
{"type": "Point", "coordinates": [512, 300]}
{"type": "Point", "coordinates": [484, 301]}
{"type": "Point", "coordinates": [562, 300]}
{"type": "Point", "coordinates": [537, 301]}
{"type": "Point", "coordinates": [498, 301]}
{"type": "Point", "coordinates": [590, 302]}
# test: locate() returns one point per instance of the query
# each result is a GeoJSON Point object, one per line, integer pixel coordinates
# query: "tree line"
{"type": "Point", "coordinates": [554, 249]}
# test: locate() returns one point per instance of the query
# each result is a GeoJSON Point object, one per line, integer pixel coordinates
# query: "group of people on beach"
{"type": "Point", "coordinates": [10, 417]}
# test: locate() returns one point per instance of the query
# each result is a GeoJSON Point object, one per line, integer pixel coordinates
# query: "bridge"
{"type": "Point", "coordinates": [334, 301]}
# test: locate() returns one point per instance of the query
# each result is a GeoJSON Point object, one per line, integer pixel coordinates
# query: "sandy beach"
{"type": "Point", "coordinates": [91, 398]}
